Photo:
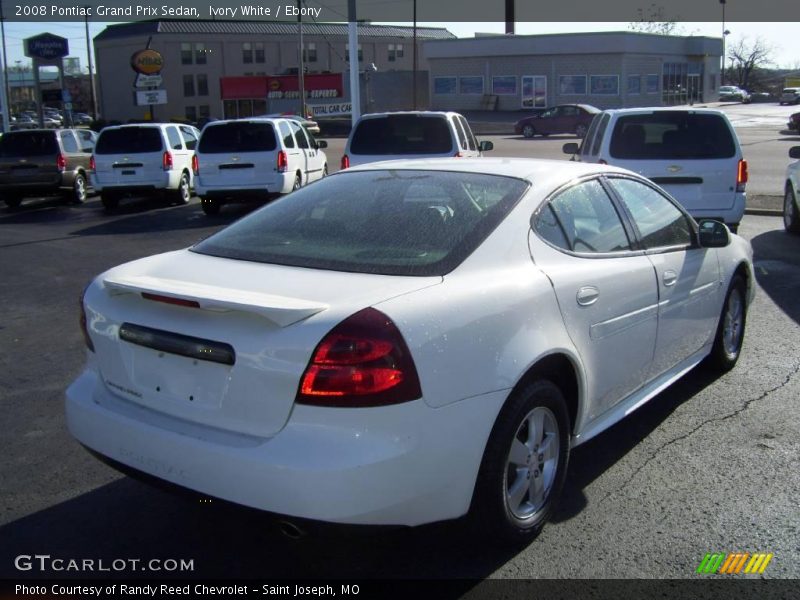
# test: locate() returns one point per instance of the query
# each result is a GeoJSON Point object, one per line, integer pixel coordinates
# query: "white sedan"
{"type": "Point", "coordinates": [407, 342]}
{"type": "Point", "coordinates": [791, 206]}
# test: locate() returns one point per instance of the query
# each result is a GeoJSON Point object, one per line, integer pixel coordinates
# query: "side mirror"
{"type": "Point", "coordinates": [570, 148]}
{"type": "Point", "coordinates": [485, 146]}
{"type": "Point", "coordinates": [714, 234]}
{"type": "Point", "coordinates": [322, 144]}
{"type": "Point", "coordinates": [794, 152]}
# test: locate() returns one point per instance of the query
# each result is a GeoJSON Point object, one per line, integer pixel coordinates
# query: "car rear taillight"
{"type": "Point", "coordinates": [345, 162]}
{"type": "Point", "coordinates": [84, 328]}
{"type": "Point", "coordinates": [741, 176]}
{"type": "Point", "coordinates": [283, 162]}
{"type": "Point", "coordinates": [363, 361]}
{"type": "Point", "coordinates": [92, 163]}
{"type": "Point", "coordinates": [61, 162]}
{"type": "Point", "coordinates": [166, 160]}
{"type": "Point", "coordinates": [195, 164]}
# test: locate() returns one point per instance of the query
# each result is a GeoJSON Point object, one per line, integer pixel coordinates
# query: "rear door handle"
{"type": "Point", "coordinates": [587, 295]}
{"type": "Point", "coordinates": [669, 278]}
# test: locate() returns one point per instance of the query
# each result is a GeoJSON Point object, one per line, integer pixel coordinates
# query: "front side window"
{"type": "Point", "coordinates": [660, 223]}
{"type": "Point", "coordinates": [582, 218]}
{"type": "Point", "coordinates": [391, 222]}
{"type": "Point", "coordinates": [299, 135]}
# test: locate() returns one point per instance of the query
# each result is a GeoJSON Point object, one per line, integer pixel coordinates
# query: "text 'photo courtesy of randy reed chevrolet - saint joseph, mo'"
{"type": "Point", "coordinates": [277, 11]}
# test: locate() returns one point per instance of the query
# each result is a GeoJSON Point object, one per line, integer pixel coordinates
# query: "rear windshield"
{"type": "Point", "coordinates": [28, 143]}
{"type": "Point", "coordinates": [391, 222]}
{"type": "Point", "coordinates": [672, 135]}
{"type": "Point", "coordinates": [402, 134]}
{"type": "Point", "coordinates": [129, 140]}
{"type": "Point", "coordinates": [246, 136]}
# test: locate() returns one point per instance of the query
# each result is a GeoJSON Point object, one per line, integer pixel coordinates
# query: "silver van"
{"type": "Point", "coordinates": [692, 153]}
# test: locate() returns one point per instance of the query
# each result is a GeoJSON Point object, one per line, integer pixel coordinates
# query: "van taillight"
{"type": "Point", "coordinates": [741, 175]}
{"type": "Point", "coordinates": [363, 361]}
{"type": "Point", "coordinates": [166, 160]}
{"type": "Point", "coordinates": [92, 163]}
{"type": "Point", "coordinates": [84, 328]}
{"type": "Point", "coordinates": [195, 164]}
{"type": "Point", "coordinates": [61, 162]}
{"type": "Point", "coordinates": [283, 162]}
{"type": "Point", "coordinates": [345, 162]}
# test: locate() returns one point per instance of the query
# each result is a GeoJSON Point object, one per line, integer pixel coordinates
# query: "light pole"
{"type": "Point", "coordinates": [91, 70]}
{"type": "Point", "coordinates": [724, 33]}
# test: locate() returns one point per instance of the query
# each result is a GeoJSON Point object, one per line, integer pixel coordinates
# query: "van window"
{"type": "Point", "coordinates": [601, 129]}
{"type": "Point", "coordinates": [28, 143]}
{"type": "Point", "coordinates": [402, 134]}
{"type": "Point", "coordinates": [671, 135]}
{"type": "Point", "coordinates": [240, 136]}
{"type": "Point", "coordinates": [462, 137]}
{"type": "Point", "coordinates": [473, 143]}
{"type": "Point", "coordinates": [175, 141]}
{"type": "Point", "coordinates": [299, 135]}
{"type": "Point", "coordinates": [129, 140]}
{"type": "Point", "coordinates": [189, 138]}
{"type": "Point", "coordinates": [286, 134]}
{"type": "Point", "coordinates": [69, 142]}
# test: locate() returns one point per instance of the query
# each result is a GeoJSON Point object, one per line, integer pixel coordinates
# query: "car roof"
{"type": "Point", "coordinates": [657, 109]}
{"type": "Point", "coordinates": [531, 169]}
{"type": "Point", "coordinates": [422, 113]}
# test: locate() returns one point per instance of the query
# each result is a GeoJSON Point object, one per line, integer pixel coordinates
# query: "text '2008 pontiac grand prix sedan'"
{"type": "Point", "coordinates": [408, 341]}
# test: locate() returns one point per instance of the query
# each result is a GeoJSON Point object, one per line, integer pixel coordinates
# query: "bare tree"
{"type": "Point", "coordinates": [747, 59]}
{"type": "Point", "coordinates": [654, 20]}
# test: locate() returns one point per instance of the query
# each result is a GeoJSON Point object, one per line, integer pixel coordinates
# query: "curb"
{"type": "Point", "coordinates": [763, 212]}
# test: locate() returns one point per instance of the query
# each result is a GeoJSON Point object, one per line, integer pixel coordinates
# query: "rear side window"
{"type": "Point", "coordinates": [392, 222]}
{"type": "Point", "coordinates": [28, 143]}
{"type": "Point", "coordinates": [300, 135]}
{"type": "Point", "coordinates": [402, 134]}
{"type": "Point", "coordinates": [462, 137]}
{"type": "Point", "coordinates": [598, 140]}
{"type": "Point", "coordinates": [68, 142]}
{"type": "Point", "coordinates": [175, 141]}
{"type": "Point", "coordinates": [473, 144]}
{"type": "Point", "coordinates": [240, 136]}
{"type": "Point", "coordinates": [672, 135]}
{"type": "Point", "coordinates": [286, 134]}
{"type": "Point", "coordinates": [129, 140]}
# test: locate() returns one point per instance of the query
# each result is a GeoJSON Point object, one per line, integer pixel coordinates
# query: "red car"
{"type": "Point", "coordinates": [564, 118]}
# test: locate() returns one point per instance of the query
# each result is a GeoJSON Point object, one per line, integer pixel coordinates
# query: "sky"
{"type": "Point", "coordinates": [782, 37]}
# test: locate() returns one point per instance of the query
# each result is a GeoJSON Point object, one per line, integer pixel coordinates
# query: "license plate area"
{"type": "Point", "coordinates": [129, 172]}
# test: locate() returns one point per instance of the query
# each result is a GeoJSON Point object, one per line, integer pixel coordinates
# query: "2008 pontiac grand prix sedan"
{"type": "Point", "coordinates": [409, 341]}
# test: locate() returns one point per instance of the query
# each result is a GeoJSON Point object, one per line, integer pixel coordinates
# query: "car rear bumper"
{"type": "Point", "coordinates": [281, 184]}
{"type": "Point", "coordinates": [134, 186]}
{"type": "Point", "coordinates": [405, 464]}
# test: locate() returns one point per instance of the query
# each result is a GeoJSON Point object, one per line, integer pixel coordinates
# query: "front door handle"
{"type": "Point", "coordinates": [669, 278]}
{"type": "Point", "coordinates": [587, 295]}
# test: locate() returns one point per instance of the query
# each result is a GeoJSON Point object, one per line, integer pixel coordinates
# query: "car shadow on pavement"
{"type": "Point", "coordinates": [43, 210]}
{"type": "Point", "coordinates": [776, 261]}
{"type": "Point", "coordinates": [139, 216]}
{"type": "Point", "coordinates": [128, 519]}
{"type": "Point", "coordinates": [590, 460]}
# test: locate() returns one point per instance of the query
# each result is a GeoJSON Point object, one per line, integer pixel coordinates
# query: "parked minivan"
{"type": "Point", "coordinates": [44, 162]}
{"type": "Point", "coordinates": [411, 134]}
{"type": "Point", "coordinates": [144, 159]}
{"type": "Point", "coordinates": [255, 158]}
{"type": "Point", "coordinates": [692, 153]}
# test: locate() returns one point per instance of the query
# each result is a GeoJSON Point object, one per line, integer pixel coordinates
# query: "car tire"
{"type": "Point", "coordinates": [528, 131]}
{"type": "Point", "coordinates": [13, 201]}
{"type": "Point", "coordinates": [503, 507]}
{"type": "Point", "coordinates": [297, 183]}
{"type": "Point", "coordinates": [325, 170]}
{"type": "Point", "coordinates": [78, 194]}
{"type": "Point", "coordinates": [581, 130]}
{"type": "Point", "coordinates": [791, 218]}
{"type": "Point", "coordinates": [210, 206]}
{"type": "Point", "coordinates": [730, 329]}
{"type": "Point", "coordinates": [110, 201]}
{"type": "Point", "coordinates": [183, 194]}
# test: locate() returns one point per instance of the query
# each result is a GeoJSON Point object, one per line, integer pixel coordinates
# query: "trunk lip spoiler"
{"type": "Point", "coordinates": [280, 310]}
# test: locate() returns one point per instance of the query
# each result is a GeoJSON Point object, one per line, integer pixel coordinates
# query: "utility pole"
{"type": "Point", "coordinates": [414, 88]}
{"type": "Point", "coordinates": [6, 124]}
{"type": "Point", "coordinates": [91, 70]}
{"type": "Point", "coordinates": [355, 89]}
{"type": "Point", "coordinates": [301, 76]}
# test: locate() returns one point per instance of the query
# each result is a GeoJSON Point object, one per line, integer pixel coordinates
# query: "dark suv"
{"type": "Point", "coordinates": [44, 162]}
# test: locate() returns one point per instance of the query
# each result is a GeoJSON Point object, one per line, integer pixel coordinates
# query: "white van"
{"type": "Point", "coordinates": [255, 158]}
{"type": "Point", "coordinates": [142, 159]}
{"type": "Point", "coordinates": [693, 153]}
{"type": "Point", "coordinates": [410, 134]}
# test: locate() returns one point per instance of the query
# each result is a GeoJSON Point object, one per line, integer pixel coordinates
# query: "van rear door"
{"type": "Point", "coordinates": [692, 155]}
